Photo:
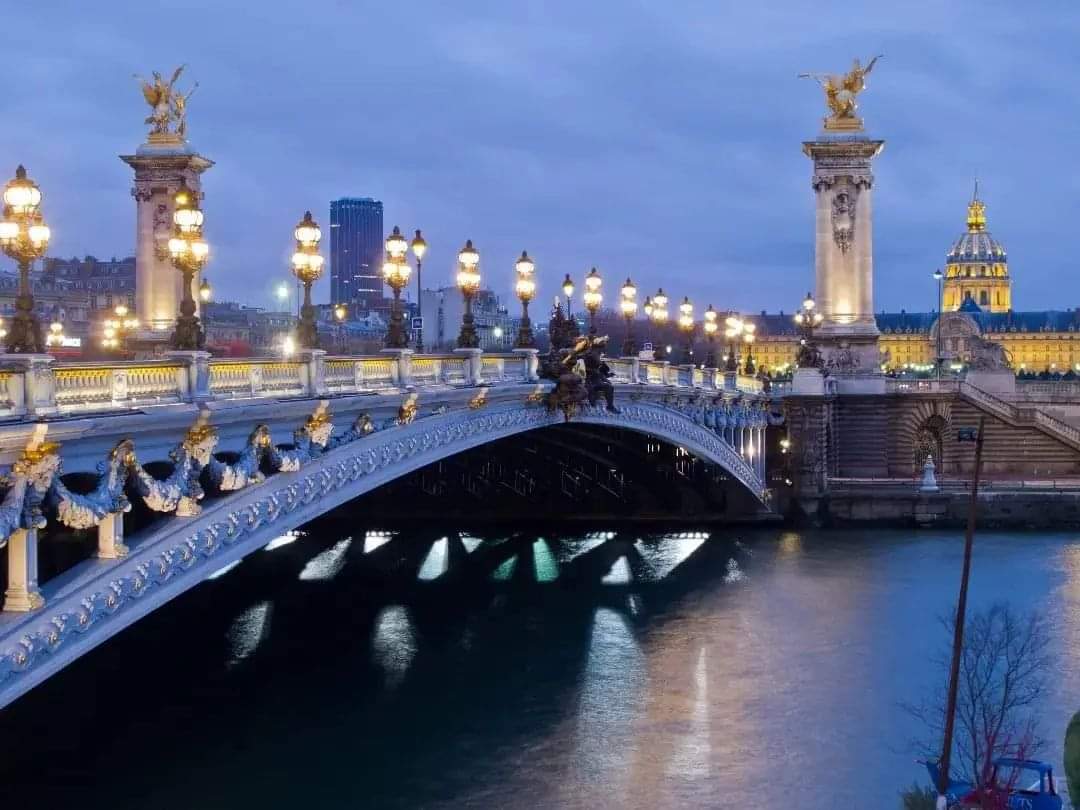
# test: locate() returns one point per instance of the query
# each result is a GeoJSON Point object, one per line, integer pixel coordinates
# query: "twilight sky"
{"type": "Point", "coordinates": [659, 140]}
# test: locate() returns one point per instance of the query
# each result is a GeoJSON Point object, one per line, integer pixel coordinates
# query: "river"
{"type": "Point", "coordinates": [681, 668]}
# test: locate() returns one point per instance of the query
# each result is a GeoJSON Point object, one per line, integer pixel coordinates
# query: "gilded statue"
{"type": "Point", "coordinates": [168, 116]}
{"type": "Point", "coordinates": [840, 93]}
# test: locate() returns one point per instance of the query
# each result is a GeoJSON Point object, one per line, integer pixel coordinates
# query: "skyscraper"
{"type": "Point", "coordinates": [356, 247]}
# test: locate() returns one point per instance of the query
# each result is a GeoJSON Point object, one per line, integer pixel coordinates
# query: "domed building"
{"type": "Point", "coordinates": [976, 304]}
{"type": "Point", "coordinates": [976, 267]}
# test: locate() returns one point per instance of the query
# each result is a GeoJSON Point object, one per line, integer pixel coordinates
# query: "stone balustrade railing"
{"type": "Point", "coordinates": [35, 385]}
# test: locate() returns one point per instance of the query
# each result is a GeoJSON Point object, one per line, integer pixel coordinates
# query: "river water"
{"type": "Point", "coordinates": [625, 669]}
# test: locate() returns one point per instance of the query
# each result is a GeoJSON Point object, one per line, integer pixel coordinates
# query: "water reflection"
{"type": "Point", "coordinates": [327, 564]}
{"type": "Point", "coordinates": [394, 643]}
{"type": "Point", "coordinates": [714, 670]}
{"type": "Point", "coordinates": [249, 630]}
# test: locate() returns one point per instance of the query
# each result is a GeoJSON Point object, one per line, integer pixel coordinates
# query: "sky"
{"type": "Point", "coordinates": [656, 140]}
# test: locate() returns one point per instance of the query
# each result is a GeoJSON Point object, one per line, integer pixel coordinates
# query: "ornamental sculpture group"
{"type": "Point", "coordinates": [34, 489]}
{"type": "Point", "coordinates": [576, 365]}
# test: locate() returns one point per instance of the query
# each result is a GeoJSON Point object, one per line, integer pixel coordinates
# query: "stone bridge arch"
{"type": "Point", "coordinates": [99, 598]}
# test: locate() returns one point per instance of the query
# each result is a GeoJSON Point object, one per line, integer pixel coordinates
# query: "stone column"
{"type": "Point", "coordinates": [22, 594]}
{"type": "Point", "coordinates": [473, 365]}
{"type": "Point", "coordinates": [111, 537]}
{"type": "Point", "coordinates": [195, 376]}
{"type": "Point", "coordinates": [159, 169]}
{"type": "Point", "coordinates": [843, 251]}
{"type": "Point", "coordinates": [315, 371]}
{"type": "Point", "coordinates": [530, 361]}
{"type": "Point", "coordinates": [38, 389]}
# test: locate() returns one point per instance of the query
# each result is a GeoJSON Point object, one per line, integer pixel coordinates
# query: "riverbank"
{"type": "Point", "coordinates": [906, 507]}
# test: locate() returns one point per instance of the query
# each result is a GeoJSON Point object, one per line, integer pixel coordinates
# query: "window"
{"type": "Point", "coordinates": [984, 297]}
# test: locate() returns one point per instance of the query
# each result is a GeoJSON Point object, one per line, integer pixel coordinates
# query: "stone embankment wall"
{"type": "Point", "coordinates": [899, 507]}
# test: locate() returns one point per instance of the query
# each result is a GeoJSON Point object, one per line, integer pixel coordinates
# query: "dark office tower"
{"type": "Point", "coordinates": [356, 251]}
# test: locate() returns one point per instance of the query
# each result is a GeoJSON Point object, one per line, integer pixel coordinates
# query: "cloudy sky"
{"type": "Point", "coordinates": [659, 140]}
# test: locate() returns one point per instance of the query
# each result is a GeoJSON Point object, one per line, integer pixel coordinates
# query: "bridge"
{"type": "Point", "coordinates": [190, 445]}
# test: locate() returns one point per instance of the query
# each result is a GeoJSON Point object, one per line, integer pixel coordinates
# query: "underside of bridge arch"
{"type": "Point", "coordinates": [565, 471]}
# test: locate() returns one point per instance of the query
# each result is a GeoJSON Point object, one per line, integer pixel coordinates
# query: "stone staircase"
{"type": "Point", "coordinates": [1021, 416]}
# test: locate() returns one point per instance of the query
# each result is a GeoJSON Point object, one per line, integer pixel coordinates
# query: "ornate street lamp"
{"type": "Point", "coordinates": [206, 292]}
{"type": "Point", "coordinates": [686, 326]}
{"type": "Point", "coordinates": [748, 338]}
{"type": "Point", "coordinates": [189, 253]}
{"type": "Point", "coordinates": [525, 287]}
{"type": "Point", "coordinates": [733, 333]}
{"type": "Point", "coordinates": [396, 271]}
{"type": "Point", "coordinates": [116, 330]}
{"type": "Point", "coordinates": [592, 297]}
{"type": "Point", "coordinates": [56, 334]}
{"type": "Point", "coordinates": [659, 319]}
{"type": "Point", "coordinates": [710, 326]}
{"type": "Point", "coordinates": [307, 266]}
{"type": "Point", "coordinates": [628, 305]}
{"type": "Point", "coordinates": [419, 248]}
{"type": "Point", "coordinates": [808, 318]}
{"type": "Point", "coordinates": [568, 291]}
{"type": "Point", "coordinates": [24, 236]}
{"type": "Point", "coordinates": [468, 281]}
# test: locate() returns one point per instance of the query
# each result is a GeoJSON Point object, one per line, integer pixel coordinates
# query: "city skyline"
{"type": "Point", "coordinates": [561, 141]}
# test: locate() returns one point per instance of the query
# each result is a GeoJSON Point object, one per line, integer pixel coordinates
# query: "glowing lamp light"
{"type": "Point", "coordinates": [396, 246]}
{"type": "Point", "coordinates": [468, 275]}
{"type": "Point", "coordinates": [525, 286]}
{"type": "Point", "coordinates": [568, 286]}
{"type": "Point", "coordinates": [710, 324]}
{"type": "Point", "coordinates": [419, 246]}
{"type": "Point", "coordinates": [593, 297]}
{"type": "Point", "coordinates": [205, 291]}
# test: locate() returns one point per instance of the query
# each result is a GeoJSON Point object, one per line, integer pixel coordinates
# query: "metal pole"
{"type": "Point", "coordinates": [961, 612]}
{"type": "Point", "coordinates": [419, 309]}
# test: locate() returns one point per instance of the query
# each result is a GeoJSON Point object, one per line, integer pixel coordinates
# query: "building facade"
{"type": "Point", "coordinates": [356, 251]}
{"type": "Point", "coordinates": [976, 301]}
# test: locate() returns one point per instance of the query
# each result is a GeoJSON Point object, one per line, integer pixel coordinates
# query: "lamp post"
{"type": "Point", "coordinates": [748, 339]}
{"type": "Point", "coordinates": [568, 291]}
{"type": "Point", "coordinates": [468, 281]}
{"type": "Point", "coordinates": [206, 292]}
{"type": "Point", "coordinates": [659, 319]}
{"type": "Point", "coordinates": [189, 253]}
{"type": "Point", "coordinates": [710, 326]}
{"type": "Point", "coordinates": [396, 271]}
{"type": "Point", "coordinates": [24, 237]}
{"type": "Point", "coordinates": [117, 329]}
{"type": "Point", "coordinates": [419, 248]}
{"type": "Point", "coordinates": [628, 305]}
{"type": "Point", "coordinates": [733, 333]}
{"type": "Point", "coordinates": [808, 318]}
{"type": "Point", "coordinates": [525, 287]}
{"type": "Point", "coordinates": [938, 276]}
{"type": "Point", "coordinates": [307, 266]}
{"type": "Point", "coordinates": [592, 297]}
{"type": "Point", "coordinates": [686, 326]}
{"type": "Point", "coordinates": [56, 334]}
{"type": "Point", "coordinates": [340, 312]}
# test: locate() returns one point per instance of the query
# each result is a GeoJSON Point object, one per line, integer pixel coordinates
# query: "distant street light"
{"type": "Point", "coordinates": [710, 326]}
{"type": "Point", "coordinates": [568, 291]}
{"type": "Point", "coordinates": [307, 266]}
{"type": "Point", "coordinates": [592, 297]}
{"type": "Point", "coordinates": [205, 291]}
{"type": "Point", "coordinates": [396, 271]}
{"type": "Point", "coordinates": [419, 248]}
{"type": "Point", "coordinates": [733, 333]}
{"type": "Point", "coordinates": [686, 326]}
{"type": "Point", "coordinates": [628, 305]}
{"type": "Point", "coordinates": [659, 319]}
{"type": "Point", "coordinates": [525, 287]}
{"type": "Point", "coordinates": [189, 253]}
{"type": "Point", "coordinates": [24, 237]}
{"type": "Point", "coordinates": [117, 329]}
{"type": "Point", "coordinates": [468, 281]}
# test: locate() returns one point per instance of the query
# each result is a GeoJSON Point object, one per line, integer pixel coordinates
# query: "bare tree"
{"type": "Point", "coordinates": [1004, 668]}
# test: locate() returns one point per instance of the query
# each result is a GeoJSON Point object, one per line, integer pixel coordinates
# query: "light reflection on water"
{"type": "Point", "coordinates": [722, 671]}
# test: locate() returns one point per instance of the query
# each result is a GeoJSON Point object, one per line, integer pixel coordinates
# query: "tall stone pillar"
{"type": "Point", "coordinates": [844, 247]}
{"type": "Point", "coordinates": [160, 165]}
